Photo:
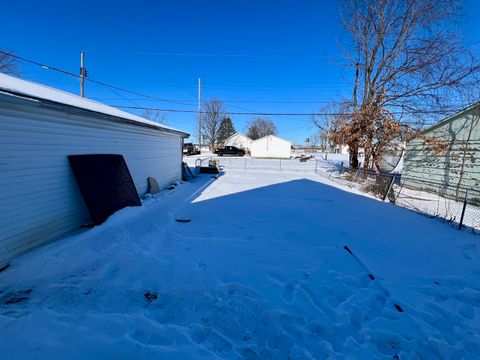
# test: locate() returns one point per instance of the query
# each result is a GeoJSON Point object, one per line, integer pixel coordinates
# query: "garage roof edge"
{"type": "Point", "coordinates": [26, 89]}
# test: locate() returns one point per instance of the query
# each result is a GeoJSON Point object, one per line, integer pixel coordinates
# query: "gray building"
{"type": "Point", "coordinates": [39, 127]}
{"type": "Point", "coordinates": [445, 159]}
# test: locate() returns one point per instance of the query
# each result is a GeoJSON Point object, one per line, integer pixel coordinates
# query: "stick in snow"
{"type": "Point", "coordinates": [370, 275]}
{"type": "Point", "coordinates": [347, 249]}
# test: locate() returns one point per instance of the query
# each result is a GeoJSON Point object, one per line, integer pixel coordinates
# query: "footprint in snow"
{"type": "Point", "coordinates": [470, 247]}
{"type": "Point", "coordinates": [210, 339]}
{"type": "Point", "coordinates": [468, 251]}
{"type": "Point", "coordinates": [150, 335]}
{"type": "Point", "coordinates": [467, 311]}
{"type": "Point", "coordinates": [201, 265]}
{"type": "Point", "coordinates": [288, 292]}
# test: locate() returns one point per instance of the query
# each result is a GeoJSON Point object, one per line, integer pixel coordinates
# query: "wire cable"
{"type": "Point", "coordinates": [45, 66]}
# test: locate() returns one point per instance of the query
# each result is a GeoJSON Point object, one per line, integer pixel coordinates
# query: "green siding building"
{"type": "Point", "coordinates": [446, 158]}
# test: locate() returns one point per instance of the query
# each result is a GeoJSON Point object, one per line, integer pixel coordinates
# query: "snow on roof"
{"type": "Point", "coordinates": [16, 86]}
{"type": "Point", "coordinates": [274, 137]}
{"type": "Point", "coordinates": [238, 134]}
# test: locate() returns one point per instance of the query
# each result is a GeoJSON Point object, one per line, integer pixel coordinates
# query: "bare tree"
{"type": "Point", "coordinates": [330, 125]}
{"type": "Point", "coordinates": [155, 115]}
{"type": "Point", "coordinates": [213, 114]}
{"type": "Point", "coordinates": [261, 127]}
{"type": "Point", "coordinates": [409, 62]}
{"type": "Point", "coordinates": [316, 140]}
{"type": "Point", "coordinates": [8, 64]}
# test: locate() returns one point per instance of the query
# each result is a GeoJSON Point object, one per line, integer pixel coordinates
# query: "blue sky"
{"type": "Point", "coordinates": [263, 56]}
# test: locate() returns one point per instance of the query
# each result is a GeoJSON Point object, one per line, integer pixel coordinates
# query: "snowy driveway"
{"type": "Point", "coordinates": [259, 273]}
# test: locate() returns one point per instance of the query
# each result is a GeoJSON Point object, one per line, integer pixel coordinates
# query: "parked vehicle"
{"type": "Point", "coordinates": [230, 150]}
{"type": "Point", "coordinates": [190, 149]}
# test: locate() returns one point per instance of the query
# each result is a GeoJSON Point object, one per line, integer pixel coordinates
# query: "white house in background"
{"type": "Point", "coordinates": [339, 149]}
{"type": "Point", "coordinates": [239, 140]}
{"type": "Point", "coordinates": [271, 146]}
{"type": "Point", "coordinates": [39, 127]}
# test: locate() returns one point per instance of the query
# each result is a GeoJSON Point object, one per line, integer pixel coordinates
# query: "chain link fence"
{"type": "Point", "coordinates": [457, 205]}
{"type": "Point", "coordinates": [460, 206]}
{"type": "Point", "coordinates": [463, 208]}
{"type": "Point", "coordinates": [247, 163]}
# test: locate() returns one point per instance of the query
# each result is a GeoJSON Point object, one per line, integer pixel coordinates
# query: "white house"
{"type": "Point", "coordinates": [239, 140]}
{"type": "Point", "coordinates": [271, 147]}
{"type": "Point", "coordinates": [39, 127]}
{"type": "Point", "coordinates": [338, 149]}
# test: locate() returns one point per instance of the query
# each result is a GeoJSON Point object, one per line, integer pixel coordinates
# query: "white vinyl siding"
{"type": "Point", "coordinates": [452, 170]}
{"type": "Point", "coordinates": [271, 147]}
{"type": "Point", "coordinates": [39, 197]}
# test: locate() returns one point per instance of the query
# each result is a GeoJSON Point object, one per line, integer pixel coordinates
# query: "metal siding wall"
{"type": "Point", "coordinates": [39, 198]}
{"type": "Point", "coordinates": [422, 164]}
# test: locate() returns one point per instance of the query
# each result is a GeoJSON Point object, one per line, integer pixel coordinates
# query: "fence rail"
{"type": "Point", "coordinates": [247, 163]}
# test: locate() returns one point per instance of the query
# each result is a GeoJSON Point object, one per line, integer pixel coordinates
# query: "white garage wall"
{"type": "Point", "coordinates": [240, 141]}
{"type": "Point", "coordinates": [271, 147]}
{"type": "Point", "coordinates": [39, 197]}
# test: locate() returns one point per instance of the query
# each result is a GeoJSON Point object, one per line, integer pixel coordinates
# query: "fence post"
{"type": "Point", "coordinates": [355, 177]}
{"type": "Point", "coordinates": [463, 210]}
{"type": "Point", "coordinates": [399, 191]}
{"type": "Point", "coordinates": [316, 162]}
{"type": "Point", "coordinates": [280, 164]}
{"type": "Point", "coordinates": [392, 180]}
{"type": "Point", "coordinates": [245, 163]}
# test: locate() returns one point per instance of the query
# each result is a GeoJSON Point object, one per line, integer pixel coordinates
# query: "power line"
{"type": "Point", "coordinates": [270, 113]}
{"type": "Point", "coordinates": [212, 54]}
{"type": "Point", "coordinates": [158, 67]}
{"type": "Point", "coordinates": [306, 127]}
{"type": "Point", "coordinates": [123, 97]}
{"type": "Point", "coordinates": [194, 102]}
{"type": "Point", "coordinates": [250, 110]}
{"type": "Point", "coordinates": [48, 67]}
{"type": "Point", "coordinates": [135, 93]}
{"type": "Point", "coordinates": [45, 66]}
{"type": "Point", "coordinates": [248, 85]}
{"type": "Point", "coordinates": [167, 74]}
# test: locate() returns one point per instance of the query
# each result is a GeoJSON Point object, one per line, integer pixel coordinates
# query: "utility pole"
{"type": "Point", "coordinates": [199, 118]}
{"type": "Point", "coordinates": [83, 74]}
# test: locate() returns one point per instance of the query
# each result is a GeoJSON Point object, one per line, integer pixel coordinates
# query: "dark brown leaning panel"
{"type": "Point", "coordinates": [105, 183]}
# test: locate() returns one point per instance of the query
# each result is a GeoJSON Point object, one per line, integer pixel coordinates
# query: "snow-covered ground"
{"type": "Point", "coordinates": [260, 272]}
